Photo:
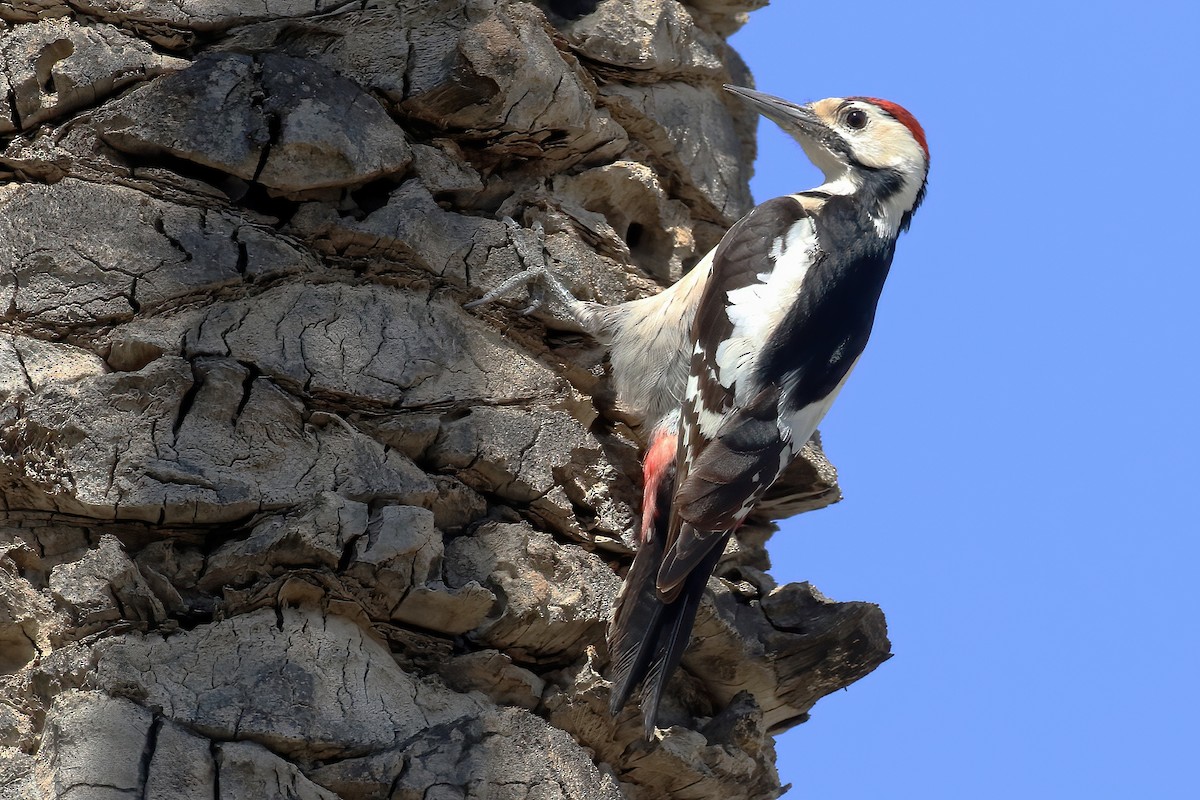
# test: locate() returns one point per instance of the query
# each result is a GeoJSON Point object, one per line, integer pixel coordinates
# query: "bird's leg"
{"type": "Point", "coordinates": [536, 277]}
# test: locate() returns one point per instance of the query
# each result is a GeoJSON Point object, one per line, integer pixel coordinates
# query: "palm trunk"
{"type": "Point", "coordinates": [279, 518]}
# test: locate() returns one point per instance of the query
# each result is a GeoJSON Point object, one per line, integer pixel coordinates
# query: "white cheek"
{"type": "Point", "coordinates": [886, 143]}
{"type": "Point", "coordinates": [868, 149]}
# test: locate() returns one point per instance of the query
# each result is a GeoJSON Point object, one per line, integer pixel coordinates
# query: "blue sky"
{"type": "Point", "coordinates": [1019, 446]}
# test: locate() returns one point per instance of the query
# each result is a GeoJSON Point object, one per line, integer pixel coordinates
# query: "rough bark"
{"type": "Point", "coordinates": [279, 518]}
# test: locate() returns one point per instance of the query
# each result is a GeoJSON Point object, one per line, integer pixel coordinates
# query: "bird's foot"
{"type": "Point", "coordinates": [530, 246]}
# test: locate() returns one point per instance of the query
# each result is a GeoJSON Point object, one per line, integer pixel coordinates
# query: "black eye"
{"type": "Point", "coordinates": [857, 119]}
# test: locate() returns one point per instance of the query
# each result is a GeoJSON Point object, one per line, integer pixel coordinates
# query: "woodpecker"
{"type": "Point", "coordinates": [733, 367]}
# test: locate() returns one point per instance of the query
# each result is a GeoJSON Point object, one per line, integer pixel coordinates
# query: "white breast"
{"type": "Point", "coordinates": [651, 346]}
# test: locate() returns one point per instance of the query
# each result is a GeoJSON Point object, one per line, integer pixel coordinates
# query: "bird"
{"type": "Point", "coordinates": [733, 367]}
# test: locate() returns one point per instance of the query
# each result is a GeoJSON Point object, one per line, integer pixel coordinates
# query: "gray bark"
{"type": "Point", "coordinates": [278, 518]}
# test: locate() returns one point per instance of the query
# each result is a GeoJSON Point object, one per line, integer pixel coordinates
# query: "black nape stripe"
{"type": "Point", "coordinates": [882, 182]}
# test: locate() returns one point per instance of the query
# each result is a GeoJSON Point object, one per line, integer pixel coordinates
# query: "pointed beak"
{"type": "Point", "coordinates": [787, 115]}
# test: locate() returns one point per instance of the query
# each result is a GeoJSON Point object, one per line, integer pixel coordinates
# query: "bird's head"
{"type": "Point", "coordinates": [874, 144]}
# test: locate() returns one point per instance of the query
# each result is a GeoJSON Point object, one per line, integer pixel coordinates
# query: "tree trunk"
{"type": "Point", "coordinates": [280, 518]}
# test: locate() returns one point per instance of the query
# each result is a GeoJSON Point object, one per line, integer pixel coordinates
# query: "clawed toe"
{"type": "Point", "coordinates": [537, 296]}
{"type": "Point", "coordinates": [529, 278]}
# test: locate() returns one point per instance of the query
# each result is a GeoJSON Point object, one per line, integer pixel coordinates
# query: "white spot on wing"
{"type": "Point", "coordinates": [709, 422]}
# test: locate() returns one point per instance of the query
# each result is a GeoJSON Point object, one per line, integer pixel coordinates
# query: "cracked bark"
{"type": "Point", "coordinates": [282, 520]}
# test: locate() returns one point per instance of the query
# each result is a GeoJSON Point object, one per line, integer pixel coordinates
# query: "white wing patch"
{"type": "Point", "coordinates": [757, 309]}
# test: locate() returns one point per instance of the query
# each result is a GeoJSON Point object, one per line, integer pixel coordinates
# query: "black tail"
{"type": "Point", "coordinates": [647, 637]}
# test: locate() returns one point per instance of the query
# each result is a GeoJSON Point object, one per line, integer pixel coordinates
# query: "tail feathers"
{"type": "Point", "coordinates": [647, 637]}
{"type": "Point", "coordinates": [636, 624]}
{"type": "Point", "coordinates": [674, 634]}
